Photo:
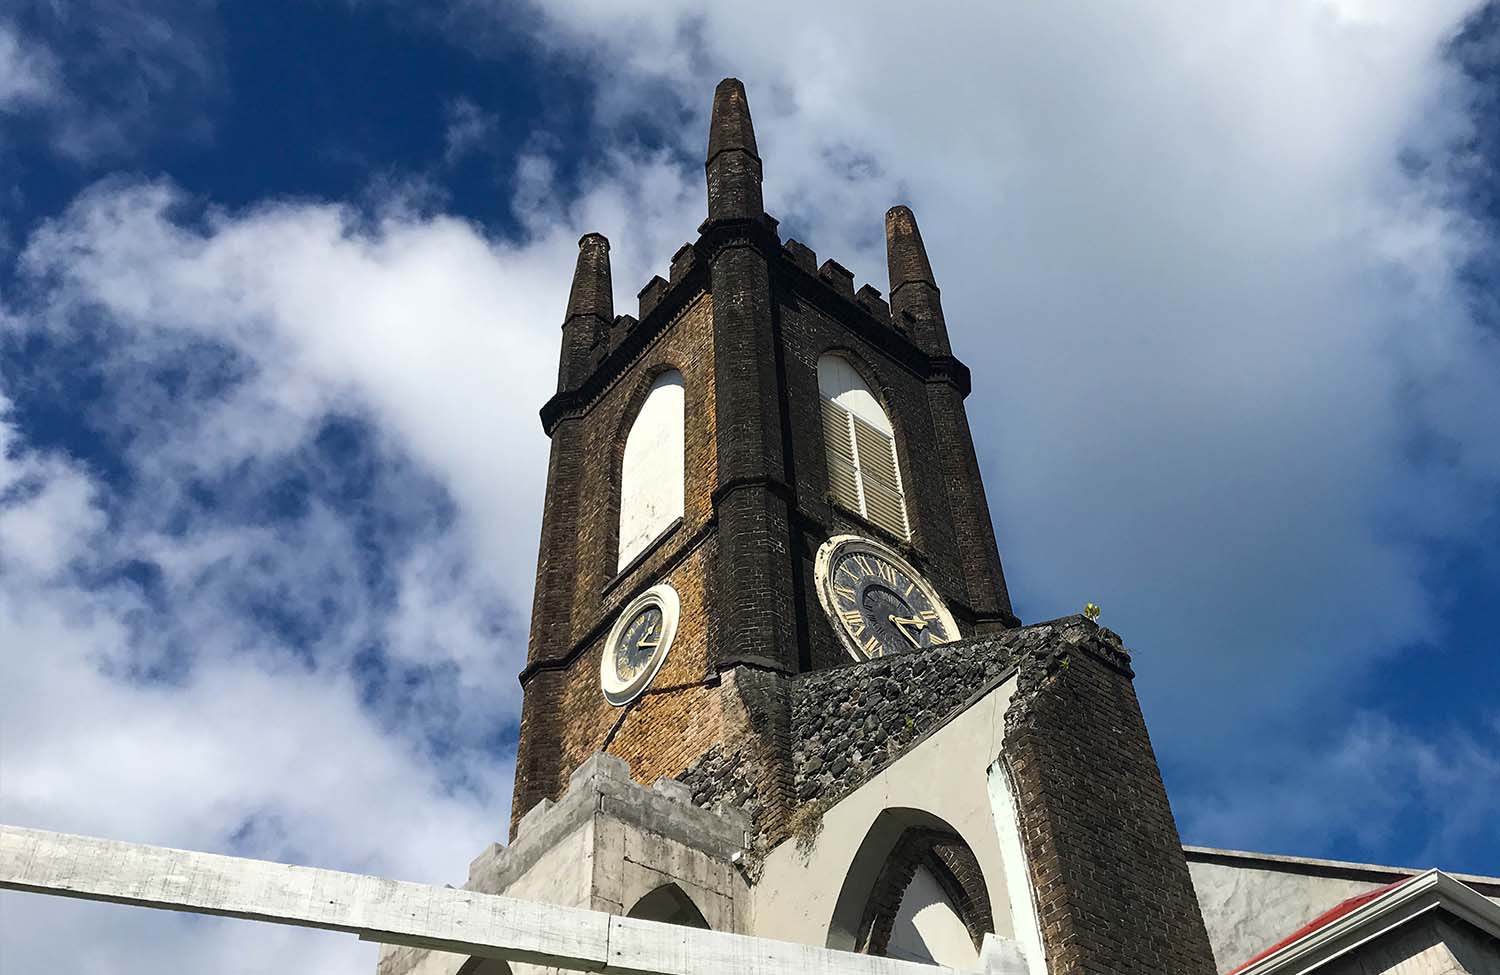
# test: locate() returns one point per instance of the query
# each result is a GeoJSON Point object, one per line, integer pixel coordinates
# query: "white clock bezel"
{"type": "Point", "coordinates": [621, 692]}
{"type": "Point", "coordinates": [836, 548]}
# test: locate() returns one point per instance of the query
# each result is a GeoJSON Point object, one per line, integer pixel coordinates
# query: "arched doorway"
{"type": "Point", "coordinates": [914, 890]}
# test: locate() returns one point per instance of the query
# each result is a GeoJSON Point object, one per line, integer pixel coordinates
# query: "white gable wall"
{"type": "Point", "coordinates": [945, 775]}
{"type": "Point", "coordinates": [1250, 901]}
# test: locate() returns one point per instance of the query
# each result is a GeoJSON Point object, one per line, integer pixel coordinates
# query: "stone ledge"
{"type": "Point", "coordinates": [602, 785]}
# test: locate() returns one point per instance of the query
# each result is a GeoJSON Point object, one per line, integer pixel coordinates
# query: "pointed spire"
{"type": "Point", "coordinates": [592, 292]}
{"type": "Point", "coordinates": [733, 163]}
{"type": "Point", "coordinates": [591, 311]}
{"type": "Point", "coordinates": [914, 292]}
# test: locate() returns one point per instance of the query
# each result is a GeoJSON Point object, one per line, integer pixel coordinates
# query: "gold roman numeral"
{"type": "Point", "coordinates": [869, 646]}
{"type": "Point", "coordinates": [855, 620]}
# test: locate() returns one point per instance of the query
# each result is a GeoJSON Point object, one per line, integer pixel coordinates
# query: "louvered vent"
{"type": "Point", "coordinates": [843, 476]}
{"type": "Point", "coordinates": [862, 470]}
{"type": "Point", "coordinates": [884, 503]}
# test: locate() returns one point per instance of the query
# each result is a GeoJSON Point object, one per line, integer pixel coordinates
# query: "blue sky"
{"type": "Point", "coordinates": [280, 287]}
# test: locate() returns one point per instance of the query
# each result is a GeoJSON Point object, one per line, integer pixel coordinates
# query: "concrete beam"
{"type": "Point", "coordinates": [394, 912]}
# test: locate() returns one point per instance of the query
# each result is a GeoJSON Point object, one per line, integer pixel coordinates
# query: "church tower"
{"type": "Point", "coordinates": [775, 685]}
{"type": "Point", "coordinates": [705, 452]}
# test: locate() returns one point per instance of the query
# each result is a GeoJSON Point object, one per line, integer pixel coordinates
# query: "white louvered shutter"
{"type": "Point", "coordinates": [862, 471]}
{"type": "Point", "coordinates": [879, 479]}
{"type": "Point", "coordinates": [843, 476]}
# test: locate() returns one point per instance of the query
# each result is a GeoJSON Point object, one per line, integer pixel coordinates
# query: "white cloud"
{"type": "Point", "coordinates": [240, 749]}
{"type": "Point", "coordinates": [1208, 301]}
{"type": "Point", "coordinates": [106, 78]}
{"type": "Point", "coordinates": [468, 129]}
{"type": "Point", "coordinates": [1389, 775]}
{"type": "Point", "coordinates": [28, 72]}
{"type": "Point", "coordinates": [201, 723]}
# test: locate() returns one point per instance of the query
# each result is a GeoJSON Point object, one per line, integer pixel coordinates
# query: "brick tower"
{"type": "Point", "coordinates": [775, 685]}
{"type": "Point", "coordinates": [743, 318]}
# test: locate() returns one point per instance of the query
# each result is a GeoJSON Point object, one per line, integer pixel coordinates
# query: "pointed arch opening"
{"type": "Point", "coordinates": [652, 472]}
{"type": "Point", "coordinates": [669, 904]}
{"type": "Point", "coordinates": [485, 966]}
{"type": "Point", "coordinates": [864, 472]}
{"type": "Point", "coordinates": [915, 891]}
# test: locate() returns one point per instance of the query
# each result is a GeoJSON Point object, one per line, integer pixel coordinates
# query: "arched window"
{"type": "Point", "coordinates": [914, 890]}
{"type": "Point", "coordinates": [651, 492]}
{"type": "Point", "coordinates": [863, 472]}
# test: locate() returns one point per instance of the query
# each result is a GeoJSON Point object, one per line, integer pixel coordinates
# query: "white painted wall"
{"type": "Point", "coordinates": [944, 775]}
{"type": "Point", "coordinates": [1249, 906]}
{"type": "Point", "coordinates": [651, 481]}
{"type": "Point", "coordinates": [1026, 927]}
{"type": "Point", "coordinates": [928, 928]}
{"type": "Point", "coordinates": [838, 381]}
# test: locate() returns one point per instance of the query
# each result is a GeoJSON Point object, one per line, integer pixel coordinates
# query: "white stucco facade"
{"type": "Point", "coordinates": [943, 779]}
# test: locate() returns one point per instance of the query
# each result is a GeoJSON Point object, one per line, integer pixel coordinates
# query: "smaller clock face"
{"type": "Point", "coordinates": [638, 644]}
{"type": "Point", "coordinates": [879, 603]}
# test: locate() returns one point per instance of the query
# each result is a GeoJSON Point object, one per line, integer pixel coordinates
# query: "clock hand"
{"type": "Point", "coordinates": [643, 644]}
{"type": "Point", "coordinates": [902, 622]}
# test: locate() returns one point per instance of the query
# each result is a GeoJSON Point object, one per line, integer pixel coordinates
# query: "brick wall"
{"type": "Point", "coordinates": [1111, 882]}
{"type": "Point", "coordinates": [564, 716]}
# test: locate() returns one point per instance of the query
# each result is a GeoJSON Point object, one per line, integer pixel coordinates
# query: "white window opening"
{"type": "Point", "coordinates": [651, 478]}
{"type": "Point", "coordinates": [863, 472]}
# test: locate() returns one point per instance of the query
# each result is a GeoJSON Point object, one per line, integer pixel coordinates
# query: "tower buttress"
{"type": "Point", "coordinates": [733, 164]}
{"type": "Point", "coordinates": [916, 302]}
{"type": "Point", "coordinates": [751, 497]}
{"type": "Point", "coordinates": [585, 337]}
{"type": "Point", "coordinates": [915, 299]}
{"type": "Point", "coordinates": [591, 312]}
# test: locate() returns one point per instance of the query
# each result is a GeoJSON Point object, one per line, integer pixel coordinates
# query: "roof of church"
{"type": "Point", "coordinates": [1340, 909]}
{"type": "Point", "coordinates": [1371, 913]}
{"type": "Point", "coordinates": [1374, 873]}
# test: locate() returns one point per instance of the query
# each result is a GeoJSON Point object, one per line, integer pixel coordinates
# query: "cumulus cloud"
{"type": "Point", "coordinates": [291, 627]}
{"type": "Point", "coordinates": [1390, 776]}
{"type": "Point", "coordinates": [28, 73]}
{"type": "Point", "coordinates": [148, 696]}
{"type": "Point", "coordinates": [1207, 270]}
{"type": "Point", "coordinates": [107, 77]}
{"type": "Point", "coordinates": [469, 128]}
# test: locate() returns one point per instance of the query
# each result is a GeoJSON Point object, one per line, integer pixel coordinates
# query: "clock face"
{"type": "Point", "coordinates": [878, 603]}
{"type": "Point", "coordinates": [638, 643]}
